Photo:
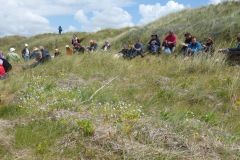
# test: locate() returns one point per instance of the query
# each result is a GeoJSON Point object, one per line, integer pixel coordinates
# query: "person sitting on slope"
{"type": "Point", "coordinates": [124, 51]}
{"type": "Point", "coordinates": [2, 70]}
{"type": "Point", "coordinates": [235, 50]}
{"type": "Point", "coordinates": [69, 51]}
{"type": "Point", "coordinates": [12, 56]}
{"type": "Point", "coordinates": [45, 54]}
{"type": "Point", "coordinates": [233, 53]}
{"type": "Point", "coordinates": [76, 42]}
{"type": "Point", "coordinates": [194, 47]}
{"type": "Point", "coordinates": [7, 66]}
{"type": "Point", "coordinates": [106, 46]}
{"type": "Point", "coordinates": [187, 41]}
{"type": "Point", "coordinates": [57, 52]}
{"type": "Point", "coordinates": [138, 47]}
{"type": "Point", "coordinates": [40, 58]}
{"type": "Point", "coordinates": [154, 44]}
{"type": "Point", "coordinates": [208, 47]}
{"type": "Point", "coordinates": [92, 46]}
{"type": "Point", "coordinates": [169, 43]}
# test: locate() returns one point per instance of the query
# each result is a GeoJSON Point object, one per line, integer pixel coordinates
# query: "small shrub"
{"type": "Point", "coordinates": [86, 126]}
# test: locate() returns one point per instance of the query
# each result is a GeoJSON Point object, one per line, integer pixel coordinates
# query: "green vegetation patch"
{"type": "Point", "coordinates": [12, 111]}
{"type": "Point", "coordinates": [39, 135]}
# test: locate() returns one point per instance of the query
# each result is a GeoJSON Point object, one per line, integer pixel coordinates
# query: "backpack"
{"type": "Point", "coordinates": [7, 66]}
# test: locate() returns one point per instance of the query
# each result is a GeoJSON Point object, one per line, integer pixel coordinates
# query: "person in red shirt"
{"type": "Point", "coordinates": [169, 43]}
{"type": "Point", "coordinates": [2, 70]}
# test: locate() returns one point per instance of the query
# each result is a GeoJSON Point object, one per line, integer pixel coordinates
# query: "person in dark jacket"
{"type": "Point", "coordinates": [154, 44]}
{"type": "Point", "coordinates": [42, 56]}
{"type": "Point", "coordinates": [92, 46]}
{"type": "Point", "coordinates": [33, 53]}
{"type": "Point", "coordinates": [208, 47]}
{"type": "Point", "coordinates": [124, 51]}
{"type": "Point", "coordinates": [233, 54]}
{"type": "Point", "coordinates": [233, 50]}
{"type": "Point", "coordinates": [187, 41]}
{"type": "Point", "coordinates": [138, 47]}
{"type": "Point", "coordinates": [7, 66]}
{"type": "Point", "coordinates": [60, 30]}
{"type": "Point", "coordinates": [45, 53]}
{"type": "Point", "coordinates": [106, 46]}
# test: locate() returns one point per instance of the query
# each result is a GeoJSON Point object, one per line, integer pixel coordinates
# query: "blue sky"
{"type": "Point", "coordinates": [29, 17]}
{"type": "Point", "coordinates": [133, 9]}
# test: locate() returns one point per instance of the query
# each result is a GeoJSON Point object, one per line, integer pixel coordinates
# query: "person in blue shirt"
{"type": "Point", "coordinates": [194, 47]}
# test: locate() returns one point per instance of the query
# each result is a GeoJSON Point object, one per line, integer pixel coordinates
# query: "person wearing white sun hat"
{"type": "Point", "coordinates": [12, 56]}
{"type": "Point", "coordinates": [26, 53]}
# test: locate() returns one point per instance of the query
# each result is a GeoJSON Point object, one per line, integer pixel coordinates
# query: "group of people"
{"type": "Point", "coordinates": [190, 47]}
{"type": "Point", "coordinates": [78, 48]}
{"type": "Point", "coordinates": [41, 55]}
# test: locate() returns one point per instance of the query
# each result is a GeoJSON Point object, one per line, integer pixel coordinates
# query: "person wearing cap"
{"type": "Point", "coordinates": [169, 43]}
{"type": "Point", "coordinates": [12, 56]}
{"type": "Point", "coordinates": [69, 50]}
{"type": "Point", "coordinates": [154, 44]}
{"type": "Point", "coordinates": [26, 53]}
{"type": "Point", "coordinates": [57, 52]}
{"type": "Point", "coordinates": [2, 70]}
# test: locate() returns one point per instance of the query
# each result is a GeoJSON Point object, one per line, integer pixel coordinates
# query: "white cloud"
{"type": "Point", "coordinates": [113, 17]}
{"type": "Point", "coordinates": [71, 29]}
{"type": "Point", "coordinates": [28, 17]}
{"type": "Point", "coordinates": [81, 17]}
{"type": "Point", "coordinates": [17, 19]}
{"type": "Point", "coordinates": [220, 1]}
{"type": "Point", "coordinates": [215, 1]}
{"type": "Point", "coordinates": [152, 12]}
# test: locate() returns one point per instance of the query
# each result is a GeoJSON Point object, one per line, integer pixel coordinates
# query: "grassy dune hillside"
{"type": "Point", "coordinates": [98, 107]}
{"type": "Point", "coordinates": [95, 106]}
{"type": "Point", "coordinates": [52, 41]}
{"type": "Point", "coordinates": [222, 22]}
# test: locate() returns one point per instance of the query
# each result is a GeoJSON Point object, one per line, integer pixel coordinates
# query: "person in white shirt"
{"type": "Point", "coordinates": [26, 53]}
